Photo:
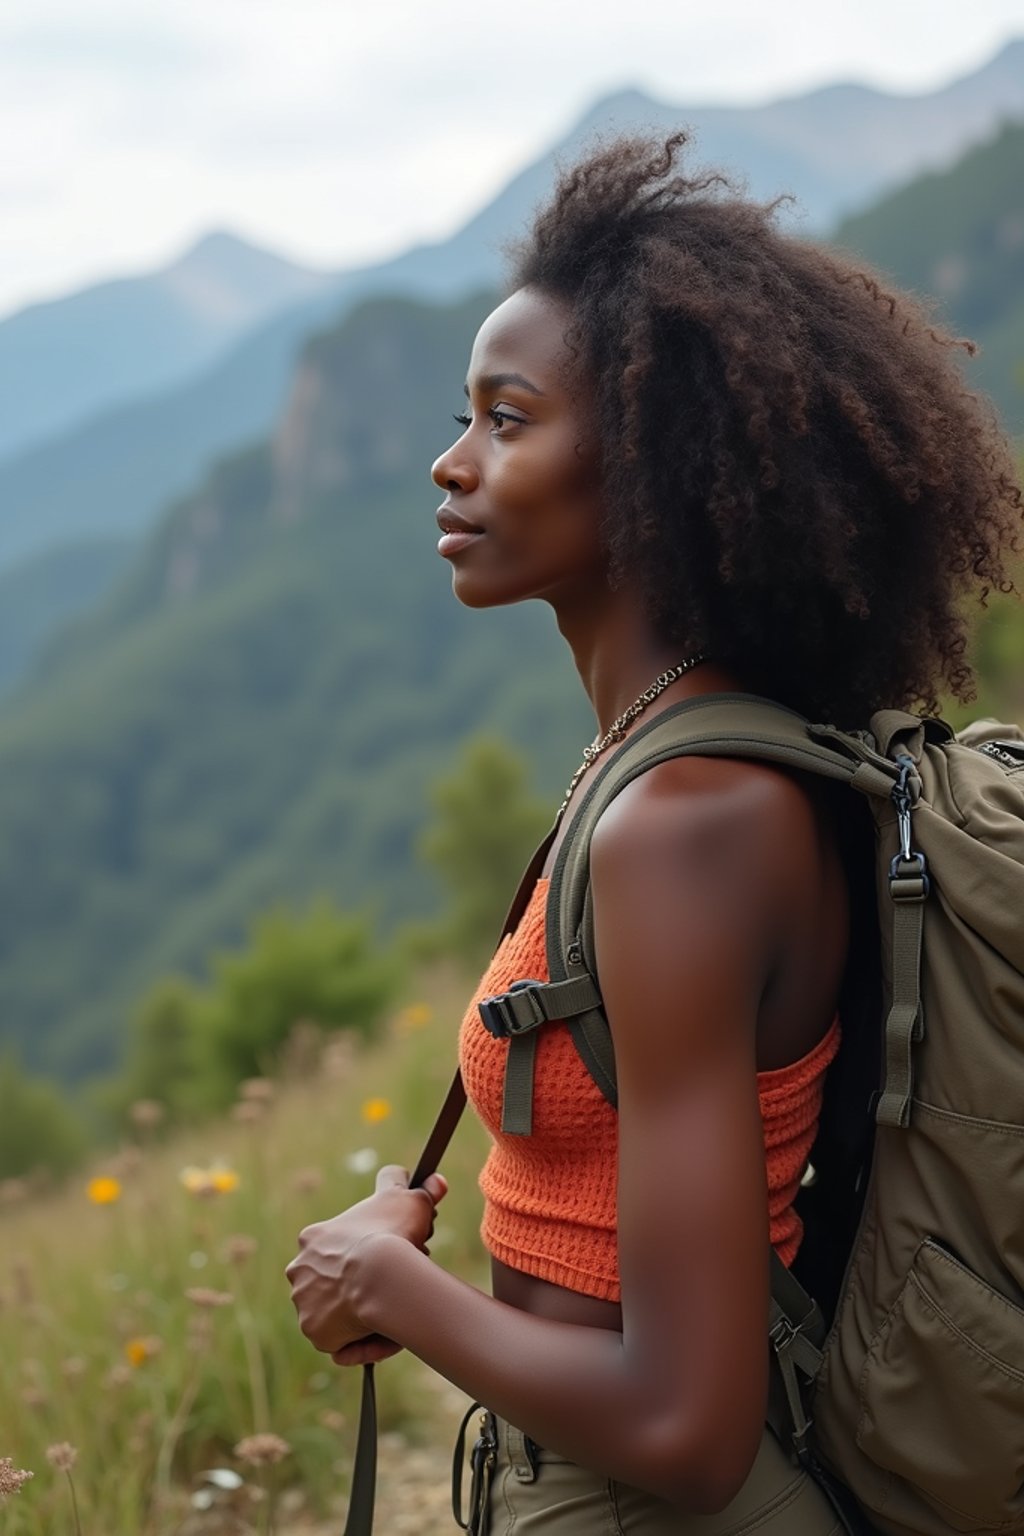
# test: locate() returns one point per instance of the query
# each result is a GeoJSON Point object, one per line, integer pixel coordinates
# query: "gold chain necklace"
{"type": "Point", "coordinates": [618, 728]}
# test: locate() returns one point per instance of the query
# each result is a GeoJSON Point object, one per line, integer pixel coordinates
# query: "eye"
{"type": "Point", "coordinates": [502, 418]}
{"type": "Point", "coordinates": [498, 417]}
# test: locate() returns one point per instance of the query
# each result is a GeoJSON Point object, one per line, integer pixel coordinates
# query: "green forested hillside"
{"type": "Point", "coordinates": [39, 598]}
{"type": "Point", "coordinates": [257, 714]}
{"type": "Point", "coordinates": [958, 236]}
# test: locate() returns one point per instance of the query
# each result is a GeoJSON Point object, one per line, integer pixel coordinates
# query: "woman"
{"type": "Point", "coordinates": [731, 461]}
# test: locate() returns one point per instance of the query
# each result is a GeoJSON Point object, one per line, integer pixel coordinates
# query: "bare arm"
{"type": "Point", "coordinates": [676, 1403]}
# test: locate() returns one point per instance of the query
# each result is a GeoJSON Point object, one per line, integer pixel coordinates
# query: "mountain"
{"type": "Point", "coordinates": [958, 235]}
{"type": "Point", "coordinates": [40, 598]}
{"type": "Point", "coordinates": [257, 711]}
{"type": "Point", "coordinates": [835, 148]}
{"type": "Point", "coordinates": [65, 360]}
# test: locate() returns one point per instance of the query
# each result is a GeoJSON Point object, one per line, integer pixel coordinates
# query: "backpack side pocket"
{"type": "Point", "coordinates": [942, 1395]}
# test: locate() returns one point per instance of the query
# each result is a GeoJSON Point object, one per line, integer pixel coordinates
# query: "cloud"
{"type": "Point", "coordinates": [340, 130]}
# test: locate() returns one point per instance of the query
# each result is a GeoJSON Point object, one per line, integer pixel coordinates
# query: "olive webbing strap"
{"type": "Point", "coordinates": [362, 1494]}
{"type": "Point", "coordinates": [713, 725]}
{"type": "Point", "coordinates": [905, 1023]}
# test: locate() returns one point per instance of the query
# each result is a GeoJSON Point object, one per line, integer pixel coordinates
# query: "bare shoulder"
{"type": "Point", "coordinates": [702, 816]}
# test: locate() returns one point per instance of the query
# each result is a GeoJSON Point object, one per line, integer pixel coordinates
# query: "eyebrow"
{"type": "Point", "coordinates": [495, 381]}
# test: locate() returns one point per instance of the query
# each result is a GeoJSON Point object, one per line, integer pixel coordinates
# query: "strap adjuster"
{"type": "Point", "coordinates": [908, 878]}
{"type": "Point", "coordinates": [514, 1012]}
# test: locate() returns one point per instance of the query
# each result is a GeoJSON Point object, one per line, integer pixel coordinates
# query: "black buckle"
{"type": "Point", "coordinates": [497, 1016]}
{"type": "Point", "coordinates": [908, 878]}
{"type": "Point", "coordinates": [781, 1334]}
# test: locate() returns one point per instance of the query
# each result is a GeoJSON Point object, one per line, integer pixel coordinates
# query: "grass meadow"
{"type": "Point", "coordinates": [152, 1376]}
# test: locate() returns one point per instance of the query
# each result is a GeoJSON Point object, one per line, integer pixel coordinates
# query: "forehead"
{"type": "Point", "coordinates": [526, 335]}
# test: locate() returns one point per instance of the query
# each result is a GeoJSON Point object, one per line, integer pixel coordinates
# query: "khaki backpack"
{"type": "Point", "coordinates": [915, 1399]}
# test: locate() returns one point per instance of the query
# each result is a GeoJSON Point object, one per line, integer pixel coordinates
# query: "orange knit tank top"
{"type": "Point", "coordinates": [550, 1197]}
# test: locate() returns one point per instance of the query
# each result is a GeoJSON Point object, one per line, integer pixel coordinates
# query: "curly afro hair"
{"type": "Point", "coordinates": [795, 471]}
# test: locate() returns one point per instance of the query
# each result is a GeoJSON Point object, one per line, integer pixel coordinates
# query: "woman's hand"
{"type": "Point", "coordinates": [325, 1275]}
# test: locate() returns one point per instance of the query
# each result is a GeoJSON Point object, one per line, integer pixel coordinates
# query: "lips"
{"type": "Point", "coordinates": [457, 532]}
{"type": "Point", "coordinates": [450, 521]}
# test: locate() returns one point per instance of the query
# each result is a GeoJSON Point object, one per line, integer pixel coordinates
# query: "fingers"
{"type": "Point", "coordinates": [392, 1177]}
{"type": "Point", "coordinates": [366, 1351]}
{"type": "Point", "coordinates": [436, 1186]}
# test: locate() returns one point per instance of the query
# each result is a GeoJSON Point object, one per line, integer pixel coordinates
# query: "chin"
{"type": "Point", "coordinates": [472, 592]}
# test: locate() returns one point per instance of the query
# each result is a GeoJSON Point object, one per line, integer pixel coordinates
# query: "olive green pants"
{"type": "Point", "coordinates": [519, 1488]}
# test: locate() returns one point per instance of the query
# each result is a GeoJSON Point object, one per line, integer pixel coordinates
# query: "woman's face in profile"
{"type": "Point", "coordinates": [522, 512]}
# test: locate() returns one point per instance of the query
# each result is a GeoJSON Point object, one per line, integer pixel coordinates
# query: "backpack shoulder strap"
{"type": "Point", "coordinates": [714, 725]}
{"type": "Point", "coordinates": [455, 1099]}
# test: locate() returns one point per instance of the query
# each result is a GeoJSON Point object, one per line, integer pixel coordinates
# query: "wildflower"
{"type": "Point", "coordinates": [216, 1180]}
{"type": "Point", "coordinates": [376, 1110]}
{"type": "Point", "coordinates": [248, 1111]}
{"type": "Point", "coordinates": [306, 1180]}
{"type": "Point", "coordinates": [303, 1049]}
{"type": "Point", "coordinates": [338, 1057]}
{"type": "Point", "coordinates": [224, 1477]}
{"type": "Point", "coordinates": [35, 1397]}
{"type": "Point", "coordinates": [262, 1450]}
{"type": "Point", "coordinates": [62, 1456]}
{"type": "Point", "coordinates": [254, 1089]}
{"type": "Point", "coordinates": [416, 1016]}
{"type": "Point", "coordinates": [331, 1419]}
{"type": "Point", "coordinates": [195, 1180]}
{"type": "Point", "coordinates": [72, 1367]}
{"type": "Point", "coordinates": [124, 1163]}
{"type": "Point", "coordinates": [238, 1248]}
{"type": "Point", "coordinates": [11, 1478]}
{"type": "Point", "coordinates": [199, 1333]}
{"type": "Point", "coordinates": [363, 1161]}
{"type": "Point", "coordinates": [103, 1190]}
{"type": "Point", "coordinates": [139, 1350]}
{"type": "Point", "coordinates": [12, 1191]}
{"type": "Point", "coordinates": [203, 1296]}
{"type": "Point", "coordinates": [147, 1113]}
{"type": "Point", "coordinates": [119, 1375]}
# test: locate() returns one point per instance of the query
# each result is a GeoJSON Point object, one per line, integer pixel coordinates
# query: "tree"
{"type": "Point", "coordinates": [320, 965]}
{"type": "Point", "coordinates": [485, 826]}
{"type": "Point", "coordinates": [38, 1128]}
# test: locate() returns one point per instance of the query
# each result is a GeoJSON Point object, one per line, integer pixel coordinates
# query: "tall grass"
{"type": "Point", "coordinates": [155, 1332]}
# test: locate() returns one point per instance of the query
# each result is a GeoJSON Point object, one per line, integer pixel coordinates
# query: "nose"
{"type": "Point", "coordinates": [454, 470]}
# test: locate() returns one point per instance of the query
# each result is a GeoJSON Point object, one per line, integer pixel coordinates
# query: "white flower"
{"type": "Point", "coordinates": [363, 1161]}
{"type": "Point", "coordinates": [224, 1477]}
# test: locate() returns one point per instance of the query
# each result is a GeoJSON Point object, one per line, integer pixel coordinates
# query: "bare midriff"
{"type": "Point", "coordinates": [542, 1299]}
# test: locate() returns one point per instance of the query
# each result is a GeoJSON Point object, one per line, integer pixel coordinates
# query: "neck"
{"type": "Point", "coordinates": [618, 654]}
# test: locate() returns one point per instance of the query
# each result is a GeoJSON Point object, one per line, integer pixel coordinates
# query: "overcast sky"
{"type": "Point", "coordinates": [340, 130]}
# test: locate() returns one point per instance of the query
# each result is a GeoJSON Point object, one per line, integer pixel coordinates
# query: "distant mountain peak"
{"type": "Point", "coordinates": [231, 282]}
{"type": "Point", "coordinates": [220, 249]}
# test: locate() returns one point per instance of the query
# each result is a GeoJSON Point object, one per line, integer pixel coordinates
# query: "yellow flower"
{"type": "Point", "coordinates": [217, 1180]}
{"type": "Point", "coordinates": [416, 1016]}
{"type": "Point", "coordinates": [141, 1350]}
{"type": "Point", "coordinates": [103, 1190]}
{"type": "Point", "coordinates": [196, 1180]}
{"type": "Point", "coordinates": [376, 1110]}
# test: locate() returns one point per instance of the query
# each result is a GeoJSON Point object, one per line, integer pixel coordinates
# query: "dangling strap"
{"type": "Point", "coordinates": [359, 1521]}
{"type": "Point", "coordinates": [909, 885]}
{"type": "Point", "coordinates": [795, 1331]}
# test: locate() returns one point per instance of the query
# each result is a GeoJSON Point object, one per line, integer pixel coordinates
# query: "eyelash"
{"type": "Point", "coordinates": [498, 417]}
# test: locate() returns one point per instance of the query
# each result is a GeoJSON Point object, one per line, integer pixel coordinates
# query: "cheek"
{"type": "Point", "coordinates": [548, 481]}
